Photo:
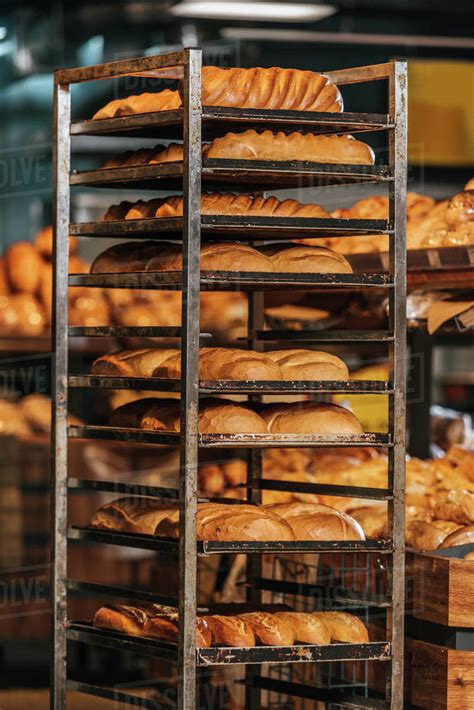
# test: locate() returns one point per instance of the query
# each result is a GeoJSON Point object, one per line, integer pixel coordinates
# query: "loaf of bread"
{"type": "Point", "coordinates": [272, 88]}
{"type": "Point", "coordinates": [224, 364]}
{"type": "Point", "coordinates": [23, 266]}
{"type": "Point", "coordinates": [127, 257]}
{"type": "Point", "coordinates": [344, 627]}
{"type": "Point", "coordinates": [462, 536]}
{"type": "Point", "coordinates": [270, 629]}
{"type": "Point", "coordinates": [306, 259]}
{"type": "Point", "coordinates": [225, 256]}
{"type": "Point", "coordinates": [230, 631]}
{"type": "Point", "coordinates": [214, 203]}
{"type": "Point", "coordinates": [300, 364]}
{"type": "Point", "coordinates": [313, 521]}
{"type": "Point", "coordinates": [457, 505]}
{"type": "Point", "coordinates": [150, 621]}
{"type": "Point", "coordinates": [310, 418]}
{"type": "Point", "coordinates": [132, 363]}
{"type": "Point", "coordinates": [423, 535]}
{"type": "Point", "coordinates": [373, 522]}
{"type": "Point", "coordinates": [307, 627]}
{"type": "Point", "coordinates": [165, 100]}
{"type": "Point", "coordinates": [135, 514]}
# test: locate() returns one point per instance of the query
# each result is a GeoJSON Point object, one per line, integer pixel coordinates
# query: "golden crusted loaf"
{"type": "Point", "coordinates": [270, 629]}
{"type": "Point", "coordinates": [134, 514]}
{"type": "Point", "coordinates": [462, 536]}
{"type": "Point", "coordinates": [224, 256]}
{"type": "Point", "coordinates": [313, 521]}
{"type": "Point", "coordinates": [272, 88]}
{"type": "Point", "coordinates": [214, 203]}
{"type": "Point", "coordinates": [259, 145]}
{"type": "Point", "coordinates": [344, 627]}
{"type": "Point", "coordinates": [225, 364]}
{"type": "Point", "coordinates": [310, 418]}
{"type": "Point", "coordinates": [230, 631]}
{"type": "Point", "coordinates": [307, 627]}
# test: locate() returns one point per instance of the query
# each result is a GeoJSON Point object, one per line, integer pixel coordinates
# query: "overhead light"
{"type": "Point", "coordinates": [248, 10]}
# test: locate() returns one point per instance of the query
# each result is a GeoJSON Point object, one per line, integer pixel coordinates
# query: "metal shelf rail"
{"type": "Point", "coordinates": [192, 123]}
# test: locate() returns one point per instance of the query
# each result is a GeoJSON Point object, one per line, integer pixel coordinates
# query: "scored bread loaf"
{"type": "Point", "coordinates": [310, 418]}
{"type": "Point", "coordinates": [344, 627]}
{"type": "Point", "coordinates": [132, 363]}
{"type": "Point", "coordinates": [306, 259]}
{"type": "Point", "coordinates": [214, 203]}
{"type": "Point", "coordinates": [126, 619]}
{"type": "Point", "coordinates": [230, 631]}
{"type": "Point", "coordinates": [266, 145]}
{"type": "Point", "coordinates": [136, 514]}
{"type": "Point", "coordinates": [270, 629]}
{"type": "Point", "coordinates": [300, 364]}
{"type": "Point", "coordinates": [313, 521]}
{"type": "Point", "coordinates": [270, 88]}
{"type": "Point", "coordinates": [307, 627]}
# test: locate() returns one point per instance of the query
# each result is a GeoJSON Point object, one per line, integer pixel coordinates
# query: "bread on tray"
{"type": "Point", "coordinates": [272, 88]}
{"type": "Point", "coordinates": [344, 627]}
{"type": "Point", "coordinates": [262, 146]}
{"type": "Point", "coordinates": [216, 203]}
{"type": "Point", "coordinates": [225, 364]}
{"type": "Point", "coordinates": [313, 521]}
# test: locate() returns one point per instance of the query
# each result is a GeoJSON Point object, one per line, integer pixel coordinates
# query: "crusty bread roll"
{"type": "Point", "coordinates": [306, 259]}
{"type": "Point", "coordinates": [165, 100]}
{"type": "Point", "coordinates": [302, 364]}
{"type": "Point", "coordinates": [230, 631]}
{"type": "Point", "coordinates": [344, 627]}
{"type": "Point", "coordinates": [310, 418]}
{"type": "Point", "coordinates": [307, 627]}
{"type": "Point", "coordinates": [272, 88]}
{"type": "Point", "coordinates": [23, 264]}
{"type": "Point", "coordinates": [214, 203]}
{"type": "Point", "coordinates": [265, 145]}
{"type": "Point", "coordinates": [132, 363]}
{"type": "Point", "coordinates": [462, 536]}
{"type": "Point", "coordinates": [313, 521]}
{"type": "Point", "coordinates": [270, 629]}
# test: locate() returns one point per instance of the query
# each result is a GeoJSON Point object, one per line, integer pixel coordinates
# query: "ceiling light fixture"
{"type": "Point", "coordinates": [248, 10]}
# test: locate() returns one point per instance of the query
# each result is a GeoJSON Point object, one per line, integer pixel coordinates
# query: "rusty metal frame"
{"type": "Point", "coordinates": [193, 122]}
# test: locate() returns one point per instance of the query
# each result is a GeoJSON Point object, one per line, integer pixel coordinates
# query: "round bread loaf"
{"type": "Point", "coordinates": [307, 259]}
{"type": "Point", "coordinates": [310, 418]}
{"type": "Point", "coordinates": [307, 628]}
{"type": "Point", "coordinates": [302, 364]}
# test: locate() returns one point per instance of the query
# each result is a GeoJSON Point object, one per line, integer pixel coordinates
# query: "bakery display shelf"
{"type": "Point", "coordinates": [194, 123]}
{"type": "Point", "coordinates": [233, 174]}
{"type": "Point", "coordinates": [331, 594]}
{"type": "Point", "coordinates": [225, 655]}
{"type": "Point", "coordinates": [233, 226]}
{"type": "Point", "coordinates": [210, 547]}
{"type": "Point", "coordinates": [232, 280]}
{"type": "Point", "coordinates": [139, 489]}
{"type": "Point", "coordinates": [147, 436]}
{"type": "Point", "coordinates": [217, 120]}
{"type": "Point", "coordinates": [93, 589]}
{"type": "Point", "coordinates": [323, 336]}
{"type": "Point", "coordinates": [163, 384]}
{"type": "Point", "coordinates": [268, 484]}
{"type": "Point", "coordinates": [332, 696]}
{"type": "Point", "coordinates": [119, 696]}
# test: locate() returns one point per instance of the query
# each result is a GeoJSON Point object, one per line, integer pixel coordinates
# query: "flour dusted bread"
{"type": "Point", "coordinates": [344, 627]}
{"type": "Point", "coordinates": [230, 631]}
{"type": "Point", "coordinates": [313, 521]}
{"type": "Point", "coordinates": [265, 145]}
{"type": "Point", "coordinates": [306, 259]}
{"type": "Point", "coordinates": [310, 418]}
{"type": "Point", "coordinates": [307, 627]}
{"type": "Point", "coordinates": [300, 364]}
{"type": "Point", "coordinates": [270, 629]}
{"type": "Point", "coordinates": [215, 203]}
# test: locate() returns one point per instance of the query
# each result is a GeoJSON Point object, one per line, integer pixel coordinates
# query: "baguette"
{"type": "Point", "coordinates": [310, 418]}
{"type": "Point", "coordinates": [313, 521]}
{"type": "Point", "coordinates": [307, 627]}
{"type": "Point", "coordinates": [344, 627]}
{"type": "Point", "coordinates": [270, 629]}
{"type": "Point", "coordinates": [306, 259]}
{"type": "Point", "coordinates": [302, 364]}
{"type": "Point", "coordinates": [230, 631]}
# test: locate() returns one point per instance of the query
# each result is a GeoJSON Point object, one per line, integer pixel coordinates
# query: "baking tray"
{"type": "Point", "coordinates": [222, 119]}
{"type": "Point", "coordinates": [460, 257]}
{"type": "Point", "coordinates": [94, 589]}
{"type": "Point", "coordinates": [208, 547]}
{"type": "Point", "coordinates": [238, 175]}
{"type": "Point", "coordinates": [323, 336]}
{"type": "Point", "coordinates": [321, 592]}
{"type": "Point", "coordinates": [224, 655]}
{"type": "Point", "coordinates": [268, 484]}
{"type": "Point", "coordinates": [163, 384]}
{"type": "Point", "coordinates": [143, 436]}
{"type": "Point", "coordinates": [231, 280]}
{"type": "Point", "coordinates": [235, 226]}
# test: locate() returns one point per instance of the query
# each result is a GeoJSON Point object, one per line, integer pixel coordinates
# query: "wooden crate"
{"type": "Point", "coordinates": [443, 587]}
{"type": "Point", "coordinates": [442, 678]}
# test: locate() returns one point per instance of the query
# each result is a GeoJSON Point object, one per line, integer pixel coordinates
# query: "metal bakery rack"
{"type": "Point", "coordinates": [193, 123]}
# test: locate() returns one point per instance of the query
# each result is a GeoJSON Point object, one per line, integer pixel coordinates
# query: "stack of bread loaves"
{"type": "Point", "coordinates": [229, 628]}
{"type": "Point", "coordinates": [223, 522]}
